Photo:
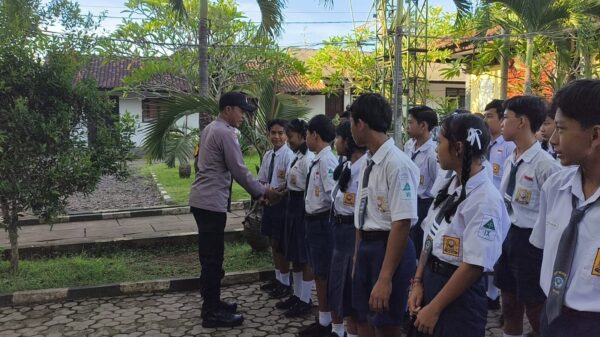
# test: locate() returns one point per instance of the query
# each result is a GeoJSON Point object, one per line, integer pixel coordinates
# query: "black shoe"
{"type": "Point", "coordinates": [221, 318]}
{"type": "Point", "coordinates": [315, 330]}
{"type": "Point", "coordinates": [226, 306]}
{"type": "Point", "coordinates": [280, 291]}
{"type": "Point", "coordinates": [494, 304]}
{"type": "Point", "coordinates": [288, 303]}
{"type": "Point", "coordinates": [333, 334]}
{"type": "Point", "coordinates": [299, 309]}
{"type": "Point", "coordinates": [270, 285]}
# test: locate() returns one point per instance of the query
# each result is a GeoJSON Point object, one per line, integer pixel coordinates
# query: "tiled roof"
{"type": "Point", "coordinates": [110, 74]}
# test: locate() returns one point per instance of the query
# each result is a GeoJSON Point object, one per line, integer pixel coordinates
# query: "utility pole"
{"type": "Point", "coordinates": [398, 75]}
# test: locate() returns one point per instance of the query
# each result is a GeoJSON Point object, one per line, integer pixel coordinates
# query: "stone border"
{"type": "Point", "coordinates": [163, 193]}
{"type": "Point", "coordinates": [126, 288]}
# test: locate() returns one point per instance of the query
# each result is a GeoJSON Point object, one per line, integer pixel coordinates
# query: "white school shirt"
{"type": "Point", "coordinates": [283, 158]}
{"type": "Point", "coordinates": [318, 195]}
{"type": "Point", "coordinates": [477, 229]}
{"type": "Point", "coordinates": [583, 285]}
{"type": "Point", "coordinates": [343, 202]}
{"type": "Point", "coordinates": [296, 176]}
{"type": "Point", "coordinates": [537, 166]}
{"type": "Point", "coordinates": [500, 150]}
{"type": "Point", "coordinates": [426, 161]}
{"type": "Point", "coordinates": [392, 190]}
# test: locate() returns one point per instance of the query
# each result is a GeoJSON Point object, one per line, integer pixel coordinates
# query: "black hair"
{"type": "Point", "coordinates": [277, 121]}
{"type": "Point", "coordinates": [299, 126]}
{"type": "Point", "coordinates": [580, 100]}
{"type": "Point", "coordinates": [423, 113]}
{"type": "Point", "coordinates": [456, 129]}
{"type": "Point", "coordinates": [342, 172]}
{"type": "Point", "coordinates": [497, 105]}
{"type": "Point", "coordinates": [323, 126]}
{"type": "Point", "coordinates": [532, 107]}
{"type": "Point", "coordinates": [345, 114]}
{"type": "Point", "coordinates": [374, 110]}
{"type": "Point", "coordinates": [462, 111]}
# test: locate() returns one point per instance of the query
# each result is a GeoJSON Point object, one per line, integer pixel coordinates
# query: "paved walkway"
{"type": "Point", "coordinates": [102, 230]}
{"type": "Point", "coordinates": [168, 315]}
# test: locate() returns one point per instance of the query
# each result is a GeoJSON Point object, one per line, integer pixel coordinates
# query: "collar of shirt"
{"type": "Point", "coordinates": [281, 150]}
{"type": "Point", "coordinates": [577, 189]}
{"type": "Point", "coordinates": [473, 182]}
{"type": "Point", "coordinates": [428, 144]}
{"type": "Point", "coordinates": [358, 163]}
{"type": "Point", "coordinates": [322, 153]}
{"type": "Point", "coordinates": [383, 150]}
{"type": "Point", "coordinates": [498, 141]}
{"type": "Point", "coordinates": [528, 155]}
{"type": "Point", "coordinates": [221, 120]}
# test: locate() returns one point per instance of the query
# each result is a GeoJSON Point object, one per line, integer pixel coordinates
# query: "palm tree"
{"type": "Point", "coordinates": [536, 16]}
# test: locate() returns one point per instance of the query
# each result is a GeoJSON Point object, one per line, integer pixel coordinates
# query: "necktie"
{"type": "Point", "coordinates": [308, 176]}
{"type": "Point", "coordinates": [363, 200]}
{"type": "Point", "coordinates": [564, 259]}
{"type": "Point", "coordinates": [271, 168]}
{"type": "Point", "coordinates": [488, 154]}
{"type": "Point", "coordinates": [510, 188]}
{"type": "Point", "coordinates": [414, 155]}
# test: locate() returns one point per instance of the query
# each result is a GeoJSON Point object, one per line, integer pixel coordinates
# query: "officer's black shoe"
{"type": "Point", "coordinates": [494, 304]}
{"type": "Point", "coordinates": [226, 306]}
{"type": "Point", "coordinates": [287, 303]}
{"type": "Point", "coordinates": [270, 285]}
{"type": "Point", "coordinates": [315, 330]}
{"type": "Point", "coordinates": [280, 291]}
{"type": "Point", "coordinates": [221, 318]}
{"type": "Point", "coordinates": [299, 309]}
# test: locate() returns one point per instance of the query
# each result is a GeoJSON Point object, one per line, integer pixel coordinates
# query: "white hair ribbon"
{"type": "Point", "coordinates": [473, 135]}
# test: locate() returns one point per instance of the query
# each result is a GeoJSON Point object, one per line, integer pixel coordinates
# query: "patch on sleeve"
{"type": "Point", "coordinates": [596, 267]}
{"type": "Point", "coordinates": [451, 245]}
{"type": "Point", "coordinates": [330, 173]}
{"type": "Point", "coordinates": [487, 231]}
{"type": "Point", "coordinates": [406, 192]}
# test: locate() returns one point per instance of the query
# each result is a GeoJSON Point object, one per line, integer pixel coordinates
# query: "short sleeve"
{"type": "Point", "coordinates": [328, 166]}
{"type": "Point", "coordinates": [484, 232]}
{"type": "Point", "coordinates": [538, 234]}
{"type": "Point", "coordinates": [402, 192]}
{"type": "Point", "coordinates": [547, 168]}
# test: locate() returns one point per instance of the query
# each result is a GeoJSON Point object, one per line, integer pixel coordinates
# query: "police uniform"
{"type": "Point", "coordinates": [294, 230]}
{"type": "Point", "coordinates": [518, 269]}
{"type": "Point", "coordinates": [498, 152]}
{"type": "Point", "coordinates": [318, 202]}
{"type": "Point", "coordinates": [273, 217]}
{"type": "Point", "coordinates": [391, 196]}
{"type": "Point", "coordinates": [425, 157]}
{"type": "Point", "coordinates": [344, 238]}
{"type": "Point", "coordinates": [474, 235]}
{"type": "Point", "coordinates": [581, 314]}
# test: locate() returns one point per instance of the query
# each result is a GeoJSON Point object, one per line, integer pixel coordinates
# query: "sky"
{"type": "Point", "coordinates": [307, 22]}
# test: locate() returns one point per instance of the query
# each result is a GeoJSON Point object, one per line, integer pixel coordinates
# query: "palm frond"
{"type": "Point", "coordinates": [272, 16]}
{"type": "Point", "coordinates": [180, 148]}
{"type": "Point", "coordinates": [463, 8]}
{"type": "Point", "coordinates": [179, 7]}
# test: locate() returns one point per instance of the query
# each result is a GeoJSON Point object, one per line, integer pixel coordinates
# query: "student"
{"type": "Point", "coordinates": [517, 272]}
{"type": "Point", "coordinates": [546, 131]}
{"type": "Point", "coordinates": [300, 303]}
{"type": "Point", "coordinates": [343, 232]}
{"type": "Point", "coordinates": [464, 232]}
{"type": "Point", "coordinates": [421, 120]}
{"type": "Point", "coordinates": [318, 201]}
{"type": "Point", "coordinates": [272, 172]}
{"type": "Point", "coordinates": [497, 153]}
{"type": "Point", "coordinates": [570, 275]}
{"type": "Point", "coordinates": [383, 215]}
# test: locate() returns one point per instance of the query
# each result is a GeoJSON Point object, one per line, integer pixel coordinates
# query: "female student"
{"type": "Point", "coordinates": [464, 232]}
{"type": "Point", "coordinates": [343, 232]}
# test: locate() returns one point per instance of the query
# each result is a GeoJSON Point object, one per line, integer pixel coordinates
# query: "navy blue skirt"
{"type": "Point", "coordinates": [273, 222]}
{"type": "Point", "coordinates": [340, 275]}
{"type": "Point", "coordinates": [294, 242]}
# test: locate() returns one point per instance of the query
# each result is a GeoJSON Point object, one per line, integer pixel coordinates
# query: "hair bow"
{"type": "Point", "coordinates": [473, 136]}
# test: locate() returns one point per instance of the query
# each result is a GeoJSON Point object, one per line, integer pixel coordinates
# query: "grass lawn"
{"type": "Point", "coordinates": [179, 189]}
{"type": "Point", "coordinates": [123, 266]}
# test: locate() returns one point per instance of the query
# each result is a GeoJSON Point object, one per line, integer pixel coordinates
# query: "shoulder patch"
{"type": "Point", "coordinates": [406, 192]}
{"type": "Point", "coordinates": [487, 231]}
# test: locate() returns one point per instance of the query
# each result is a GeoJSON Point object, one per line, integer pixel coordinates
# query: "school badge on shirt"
{"type": "Point", "coordinates": [349, 199]}
{"type": "Point", "coordinates": [451, 245]}
{"type": "Point", "coordinates": [487, 231]}
{"type": "Point", "coordinates": [281, 174]}
{"type": "Point", "coordinates": [596, 267]}
{"type": "Point", "coordinates": [523, 196]}
{"type": "Point", "coordinates": [422, 180]}
{"type": "Point", "coordinates": [496, 169]}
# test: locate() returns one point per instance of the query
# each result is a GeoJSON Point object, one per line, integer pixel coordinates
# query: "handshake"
{"type": "Point", "coordinates": [272, 196]}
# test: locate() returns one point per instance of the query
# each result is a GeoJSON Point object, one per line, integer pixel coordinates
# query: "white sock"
{"type": "Point", "coordinates": [306, 291]}
{"type": "Point", "coordinates": [325, 318]}
{"type": "Point", "coordinates": [285, 278]}
{"type": "Point", "coordinates": [492, 290]}
{"type": "Point", "coordinates": [338, 329]}
{"type": "Point", "coordinates": [297, 276]}
{"type": "Point", "coordinates": [278, 275]}
{"type": "Point", "coordinates": [505, 335]}
{"type": "Point", "coordinates": [351, 335]}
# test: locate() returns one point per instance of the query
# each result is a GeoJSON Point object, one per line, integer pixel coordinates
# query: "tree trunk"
{"type": "Point", "coordinates": [504, 57]}
{"type": "Point", "coordinates": [528, 64]}
{"type": "Point", "coordinates": [203, 53]}
{"type": "Point", "coordinates": [11, 218]}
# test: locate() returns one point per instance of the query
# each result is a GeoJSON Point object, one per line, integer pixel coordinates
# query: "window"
{"type": "Point", "coordinates": [459, 94]}
{"type": "Point", "coordinates": [150, 109]}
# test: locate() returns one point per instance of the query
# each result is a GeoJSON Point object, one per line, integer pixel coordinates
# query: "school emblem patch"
{"type": "Point", "coordinates": [382, 205]}
{"type": "Point", "coordinates": [523, 196]}
{"type": "Point", "coordinates": [559, 280]}
{"type": "Point", "coordinates": [496, 169]}
{"type": "Point", "coordinates": [281, 174]}
{"type": "Point", "coordinates": [596, 267]}
{"type": "Point", "coordinates": [406, 192]}
{"type": "Point", "coordinates": [451, 245]}
{"type": "Point", "coordinates": [421, 180]}
{"type": "Point", "coordinates": [349, 199]}
{"type": "Point", "coordinates": [330, 173]}
{"type": "Point", "coordinates": [293, 180]}
{"type": "Point", "coordinates": [487, 231]}
{"type": "Point", "coordinates": [317, 191]}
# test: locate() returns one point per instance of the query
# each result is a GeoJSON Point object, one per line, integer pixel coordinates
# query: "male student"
{"type": "Point", "coordinates": [567, 228]}
{"type": "Point", "coordinates": [546, 131]}
{"type": "Point", "coordinates": [525, 171]}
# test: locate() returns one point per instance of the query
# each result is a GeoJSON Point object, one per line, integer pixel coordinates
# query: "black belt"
{"type": "Point", "coordinates": [317, 216]}
{"type": "Point", "coordinates": [296, 193]}
{"type": "Point", "coordinates": [344, 219]}
{"type": "Point", "coordinates": [581, 314]}
{"type": "Point", "coordinates": [374, 235]}
{"type": "Point", "coordinates": [441, 267]}
{"type": "Point", "coordinates": [513, 226]}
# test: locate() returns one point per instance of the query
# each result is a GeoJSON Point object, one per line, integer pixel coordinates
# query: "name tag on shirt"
{"type": "Point", "coordinates": [349, 199]}
{"type": "Point", "coordinates": [451, 245]}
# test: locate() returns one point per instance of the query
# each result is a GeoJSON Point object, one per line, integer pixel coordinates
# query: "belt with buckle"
{"type": "Point", "coordinates": [344, 219]}
{"type": "Point", "coordinates": [581, 314]}
{"type": "Point", "coordinates": [296, 193]}
{"type": "Point", "coordinates": [317, 216]}
{"type": "Point", "coordinates": [374, 235]}
{"type": "Point", "coordinates": [441, 267]}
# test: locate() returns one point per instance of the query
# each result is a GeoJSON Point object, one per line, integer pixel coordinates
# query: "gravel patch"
{"type": "Point", "coordinates": [136, 191]}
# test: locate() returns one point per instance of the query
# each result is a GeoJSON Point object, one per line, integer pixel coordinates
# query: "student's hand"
{"type": "Point", "coordinates": [272, 197]}
{"type": "Point", "coordinates": [415, 298]}
{"type": "Point", "coordinates": [427, 319]}
{"type": "Point", "coordinates": [380, 296]}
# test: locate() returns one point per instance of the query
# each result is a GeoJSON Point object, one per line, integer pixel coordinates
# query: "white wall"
{"type": "Point", "coordinates": [316, 103]}
{"type": "Point", "coordinates": [437, 92]}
